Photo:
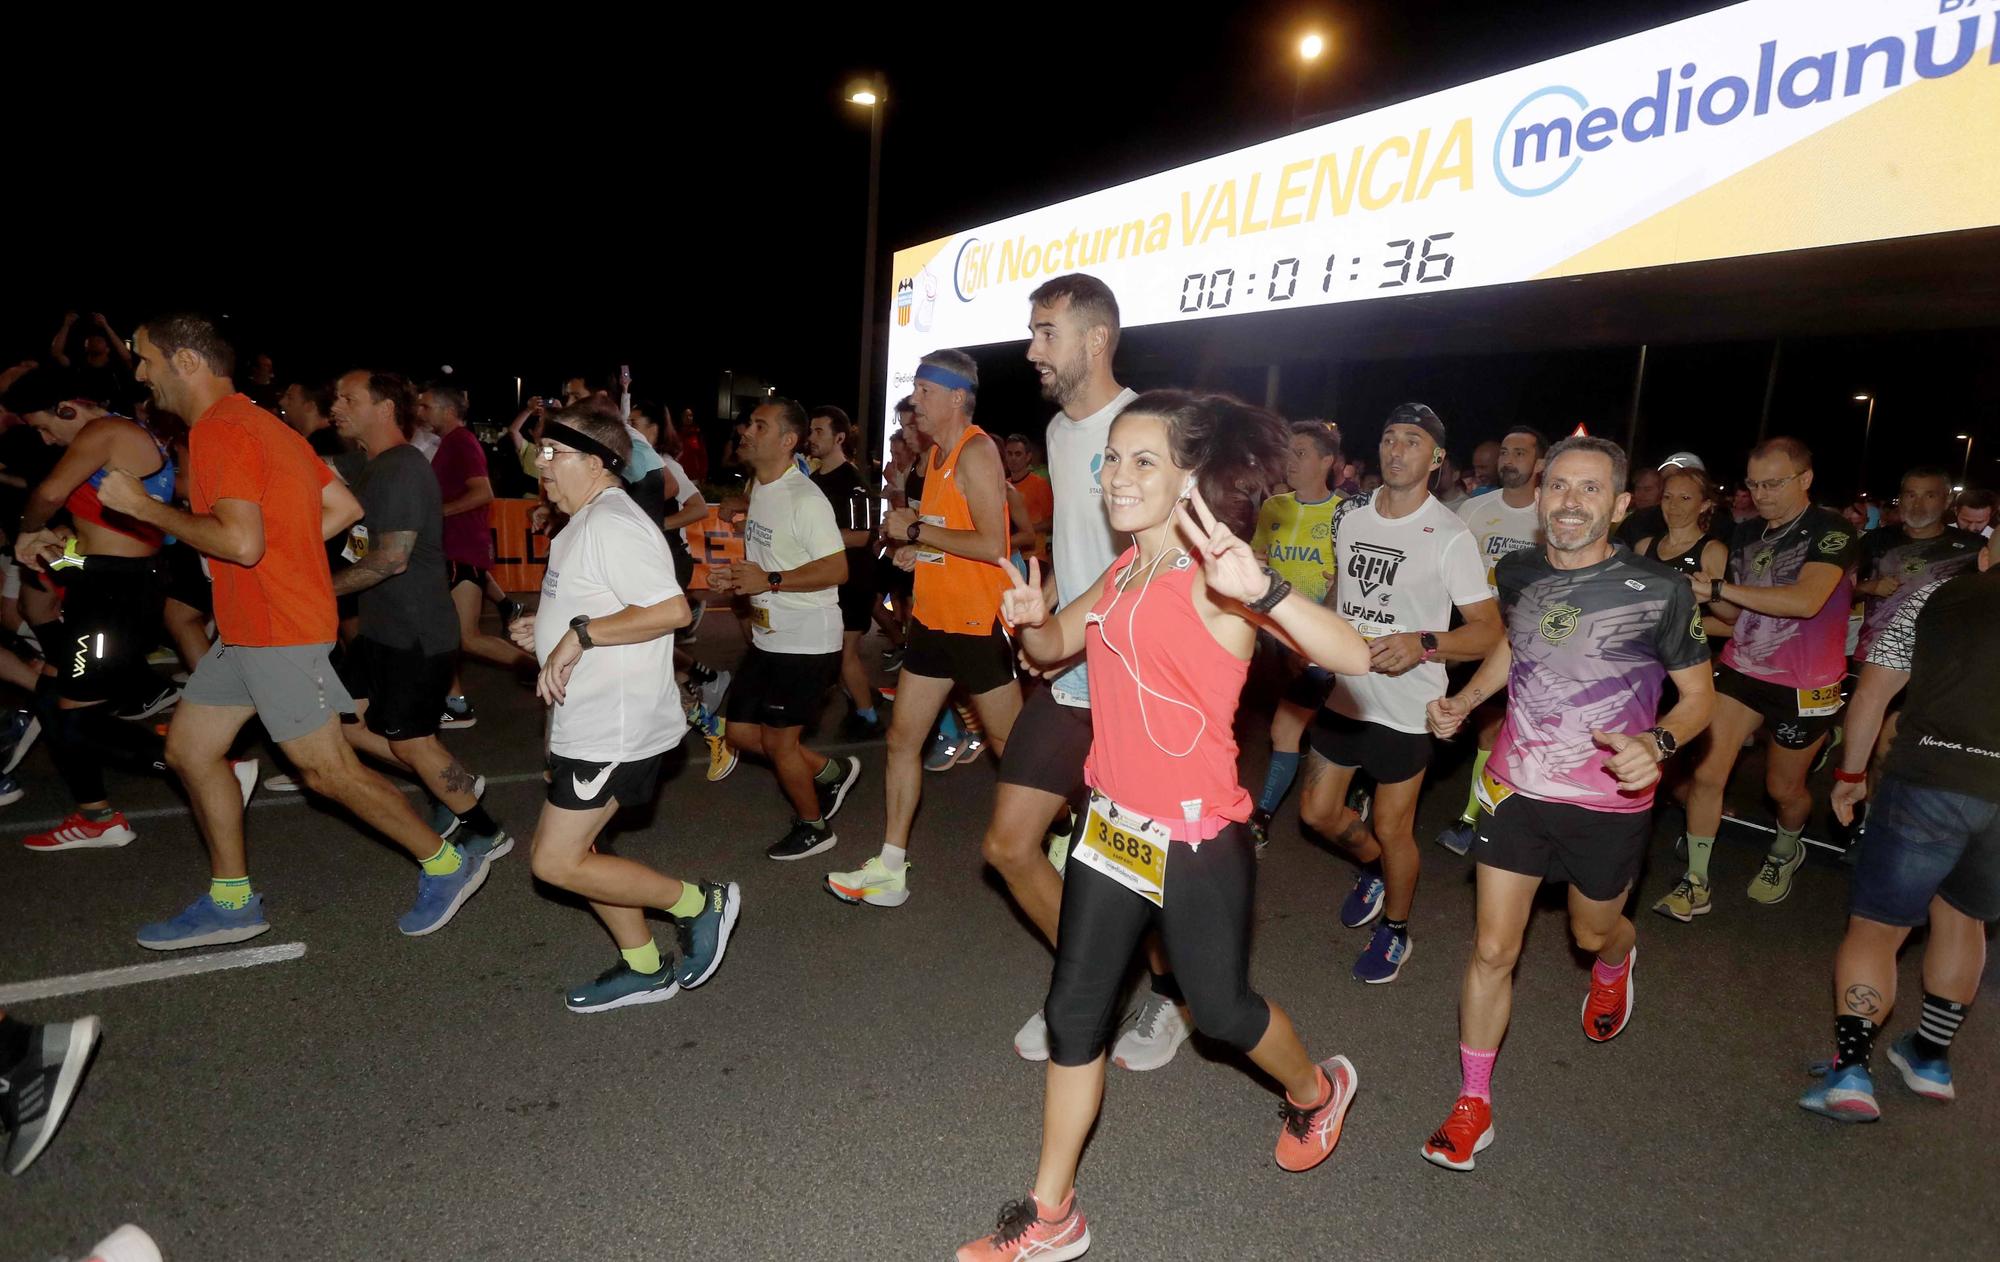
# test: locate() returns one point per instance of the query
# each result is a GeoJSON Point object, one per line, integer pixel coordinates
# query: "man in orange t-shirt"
{"type": "Point", "coordinates": [263, 504]}
{"type": "Point", "coordinates": [1019, 453]}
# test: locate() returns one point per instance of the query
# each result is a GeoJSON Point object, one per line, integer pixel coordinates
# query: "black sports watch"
{"type": "Point", "coordinates": [1665, 740]}
{"type": "Point", "coordinates": [1277, 591]}
{"type": "Point", "coordinates": [775, 578]}
{"type": "Point", "coordinates": [1429, 641]}
{"type": "Point", "coordinates": [915, 528]}
{"type": "Point", "coordinates": [581, 625]}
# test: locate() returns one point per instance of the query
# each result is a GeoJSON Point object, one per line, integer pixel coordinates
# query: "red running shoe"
{"type": "Point", "coordinates": [1309, 1135]}
{"type": "Point", "coordinates": [1027, 1232]}
{"type": "Point", "coordinates": [1606, 1009]}
{"type": "Point", "coordinates": [1467, 1131]}
{"type": "Point", "coordinates": [78, 833]}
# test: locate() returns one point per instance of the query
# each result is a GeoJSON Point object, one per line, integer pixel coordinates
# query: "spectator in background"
{"type": "Point", "coordinates": [105, 375]}
{"type": "Point", "coordinates": [306, 408]}
{"type": "Point", "coordinates": [851, 492]}
{"type": "Point", "coordinates": [1452, 484]}
{"type": "Point", "coordinates": [262, 387]}
{"type": "Point", "coordinates": [1021, 455]}
{"type": "Point", "coordinates": [1897, 561]}
{"type": "Point", "coordinates": [1742, 506]}
{"type": "Point", "coordinates": [1974, 512]}
{"type": "Point", "coordinates": [1643, 519]}
{"type": "Point", "coordinates": [694, 452]}
{"type": "Point", "coordinates": [1486, 467]}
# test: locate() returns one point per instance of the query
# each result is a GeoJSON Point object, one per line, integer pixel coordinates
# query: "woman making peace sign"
{"type": "Point", "coordinates": [1168, 632]}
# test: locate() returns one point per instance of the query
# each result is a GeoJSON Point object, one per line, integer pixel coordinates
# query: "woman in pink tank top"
{"type": "Point", "coordinates": [1168, 632]}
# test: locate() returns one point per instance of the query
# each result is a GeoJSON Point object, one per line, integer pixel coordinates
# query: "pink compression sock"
{"type": "Point", "coordinates": [1606, 975]}
{"type": "Point", "coordinates": [1475, 1069]}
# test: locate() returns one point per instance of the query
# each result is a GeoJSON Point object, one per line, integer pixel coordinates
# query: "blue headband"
{"type": "Point", "coordinates": [946, 378]}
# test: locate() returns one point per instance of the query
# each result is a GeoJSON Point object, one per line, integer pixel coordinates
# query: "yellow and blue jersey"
{"type": "Point", "coordinates": [1296, 538]}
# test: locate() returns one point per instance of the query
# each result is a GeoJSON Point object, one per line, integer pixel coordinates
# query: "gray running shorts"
{"type": "Point", "coordinates": [293, 686]}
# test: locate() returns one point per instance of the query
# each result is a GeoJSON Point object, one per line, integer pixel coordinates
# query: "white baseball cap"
{"type": "Point", "coordinates": [1683, 460]}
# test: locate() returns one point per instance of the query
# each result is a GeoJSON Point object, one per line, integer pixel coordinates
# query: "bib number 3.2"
{"type": "Point", "coordinates": [1128, 848]}
{"type": "Point", "coordinates": [1814, 702]}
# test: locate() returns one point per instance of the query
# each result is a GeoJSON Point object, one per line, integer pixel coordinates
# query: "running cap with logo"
{"type": "Point", "coordinates": [1683, 460]}
{"type": "Point", "coordinates": [1419, 415]}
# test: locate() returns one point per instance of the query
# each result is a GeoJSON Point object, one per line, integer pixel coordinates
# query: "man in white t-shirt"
{"type": "Point", "coordinates": [1502, 521]}
{"type": "Point", "coordinates": [794, 563]}
{"type": "Point", "coordinates": [604, 637]}
{"type": "Point", "coordinates": [1073, 326]}
{"type": "Point", "coordinates": [1403, 560]}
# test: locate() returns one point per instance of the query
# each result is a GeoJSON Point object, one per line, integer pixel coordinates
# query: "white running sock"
{"type": "Point", "coordinates": [893, 857]}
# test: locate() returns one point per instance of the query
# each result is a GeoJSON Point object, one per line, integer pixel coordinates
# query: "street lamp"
{"type": "Point", "coordinates": [1867, 428]}
{"type": "Point", "coordinates": [1965, 470]}
{"type": "Point", "coordinates": [870, 95]}
{"type": "Point", "coordinates": [1310, 47]}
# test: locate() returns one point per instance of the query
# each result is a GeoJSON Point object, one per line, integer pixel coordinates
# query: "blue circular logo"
{"type": "Point", "coordinates": [958, 270]}
{"type": "Point", "coordinates": [1500, 141]}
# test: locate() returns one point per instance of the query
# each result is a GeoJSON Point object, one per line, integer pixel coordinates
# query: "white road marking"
{"type": "Point", "coordinates": [161, 970]}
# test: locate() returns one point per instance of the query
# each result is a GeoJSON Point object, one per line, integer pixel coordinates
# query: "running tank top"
{"type": "Point", "coordinates": [1167, 751]}
{"type": "Point", "coordinates": [956, 594]}
{"type": "Point", "coordinates": [1688, 562]}
{"type": "Point", "coordinates": [83, 504]}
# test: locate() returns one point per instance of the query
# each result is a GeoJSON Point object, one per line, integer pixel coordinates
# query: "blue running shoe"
{"type": "Point", "coordinates": [705, 937]}
{"type": "Point", "coordinates": [942, 755]}
{"type": "Point", "coordinates": [10, 790]}
{"type": "Point", "coordinates": [622, 986]}
{"type": "Point", "coordinates": [444, 821]}
{"type": "Point", "coordinates": [440, 897]}
{"type": "Point", "coordinates": [490, 848]}
{"type": "Point", "coordinates": [17, 732]}
{"type": "Point", "coordinates": [1384, 957]}
{"type": "Point", "coordinates": [1845, 1095]}
{"type": "Point", "coordinates": [1929, 1078]}
{"type": "Point", "coordinates": [1364, 901]}
{"type": "Point", "coordinates": [204, 922]}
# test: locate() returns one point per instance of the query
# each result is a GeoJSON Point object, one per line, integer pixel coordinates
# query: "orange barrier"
{"type": "Point", "coordinates": [520, 555]}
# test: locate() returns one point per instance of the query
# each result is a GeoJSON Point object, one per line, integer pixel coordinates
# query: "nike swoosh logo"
{"type": "Point", "coordinates": [588, 789]}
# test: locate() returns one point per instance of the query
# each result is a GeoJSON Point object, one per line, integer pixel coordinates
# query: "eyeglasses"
{"type": "Point", "coordinates": [1771, 484]}
{"type": "Point", "coordinates": [550, 451]}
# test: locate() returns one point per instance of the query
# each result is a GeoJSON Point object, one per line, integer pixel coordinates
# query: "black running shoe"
{"type": "Point", "coordinates": [832, 795]}
{"type": "Point", "coordinates": [36, 1093]}
{"type": "Point", "coordinates": [803, 841]}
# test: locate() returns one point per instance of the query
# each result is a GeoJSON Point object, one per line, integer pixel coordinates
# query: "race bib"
{"type": "Point", "coordinates": [357, 545]}
{"type": "Point", "coordinates": [931, 556]}
{"type": "Point", "coordinates": [760, 617]}
{"type": "Point", "coordinates": [1814, 702]}
{"type": "Point", "coordinates": [1490, 792]}
{"type": "Point", "coordinates": [1128, 848]}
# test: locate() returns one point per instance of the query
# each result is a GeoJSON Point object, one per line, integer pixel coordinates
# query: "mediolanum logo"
{"type": "Point", "coordinates": [1544, 139]}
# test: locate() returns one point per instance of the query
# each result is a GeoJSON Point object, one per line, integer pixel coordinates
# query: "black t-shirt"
{"type": "Point", "coordinates": [398, 491]}
{"type": "Point", "coordinates": [853, 508]}
{"type": "Point", "coordinates": [1949, 735]}
{"type": "Point", "coordinates": [326, 442]}
{"type": "Point", "coordinates": [1688, 562]}
{"type": "Point", "coordinates": [1646, 522]}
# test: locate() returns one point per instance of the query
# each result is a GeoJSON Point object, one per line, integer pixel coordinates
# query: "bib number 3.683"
{"type": "Point", "coordinates": [1128, 848]}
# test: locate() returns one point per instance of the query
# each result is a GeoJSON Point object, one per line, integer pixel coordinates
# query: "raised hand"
{"type": "Point", "coordinates": [1634, 761]}
{"type": "Point", "coordinates": [1446, 715]}
{"type": "Point", "coordinates": [1022, 604]}
{"type": "Point", "coordinates": [1228, 565]}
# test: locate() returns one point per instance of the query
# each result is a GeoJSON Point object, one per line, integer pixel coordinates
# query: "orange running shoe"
{"type": "Point", "coordinates": [1606, 1009]}
{"type": "Point", "coordinates": [1309, 1135]}
{"type": "Point", "coordinates": [1467, 1131]}
{"type": "Point", "coordinates": [1028, 1232]}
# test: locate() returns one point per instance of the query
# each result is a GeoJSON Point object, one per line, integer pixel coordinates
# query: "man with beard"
{"type": "Point", "coordinates": [1899, 560]}
{"type": "Point", "coordinates": [1403, 561]}
{"type": "Point", "coordinates": [1593, 633]}
{"type": "Point", "coordinates": [1502, 522]}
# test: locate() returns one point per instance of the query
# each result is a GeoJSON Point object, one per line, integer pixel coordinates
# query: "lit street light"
{"type": "Point", "coordinates": [1867, 428]}
{"type": "Point", "coordinates": [1965, 470]}
{"type": "Point", "coordinates": [869, 94]}
{"type": "Point", "coordinates": [1310, 48]}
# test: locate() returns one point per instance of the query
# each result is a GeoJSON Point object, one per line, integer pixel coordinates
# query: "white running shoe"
{"type": "Point", "coordinates": [1154, 1031]}
{"type": "Point", "coordinates": [1032, 1043]}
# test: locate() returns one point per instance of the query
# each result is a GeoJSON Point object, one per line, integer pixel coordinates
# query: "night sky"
{"type": "Point", "coordinates": [687, 195]}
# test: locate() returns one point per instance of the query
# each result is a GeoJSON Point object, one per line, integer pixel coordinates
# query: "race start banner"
{"type": "Point", "coordinates": [1766, 126]}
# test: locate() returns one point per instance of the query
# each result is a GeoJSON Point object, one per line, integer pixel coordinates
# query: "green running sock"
{"type": "Point", "coordinates": [645, 959]}
{"type": "Point", "coordinates": [830, 773]}
{"type": "Point", "coordinates": [233, 893]}
{"type": "Point", "coordinates": [1698, 852]}
{"type": "Point", "coordinates": [1787, 843]}
{"type": "Point", "coordinates": [1471, 815]}
{"type": "Point", "coordinates": [445, 862]}
{"type": "Point", "coordinates": [690, 903]}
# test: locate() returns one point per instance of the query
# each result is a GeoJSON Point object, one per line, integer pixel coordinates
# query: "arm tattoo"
{"type": "Point", "coordinates": [385, 559]}
{"type": "Point", "coordinates": [1864, 1001]}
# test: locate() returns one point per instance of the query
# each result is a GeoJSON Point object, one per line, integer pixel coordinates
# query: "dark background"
{"type": "Point", "coordinates": [686, 194]}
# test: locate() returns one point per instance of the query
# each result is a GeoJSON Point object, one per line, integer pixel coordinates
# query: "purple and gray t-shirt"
{"type": "Point", "coordinates": [1798, 653]}
{"type": "Point", "coordinates": [1917, 563]}
{"type": "Point", "coordinates": [1592, 649]}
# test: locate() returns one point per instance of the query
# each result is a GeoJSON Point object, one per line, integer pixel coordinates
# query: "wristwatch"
{"type": "Point", "coordinates": [1665, 740]}
{"type": "Point", "coordinates": [1277, 591]}
{"type": "Point", "coordinates": [775, 578]}
{"type": "Point", "coordinates": [1430, 642]}
{"type": "Point", "coordinates": [1714, 589]}
{"type": "Point", "coordinates": [581, 625]}
{"type": "Point", "coordinates": [916, 528]}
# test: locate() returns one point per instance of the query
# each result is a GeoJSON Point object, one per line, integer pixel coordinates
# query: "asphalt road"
{"type": "Point", "coordinates": [845, 1086]}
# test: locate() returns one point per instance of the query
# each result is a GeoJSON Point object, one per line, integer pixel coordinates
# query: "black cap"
{"type": "Point", "coordinates": [1422, 417]}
